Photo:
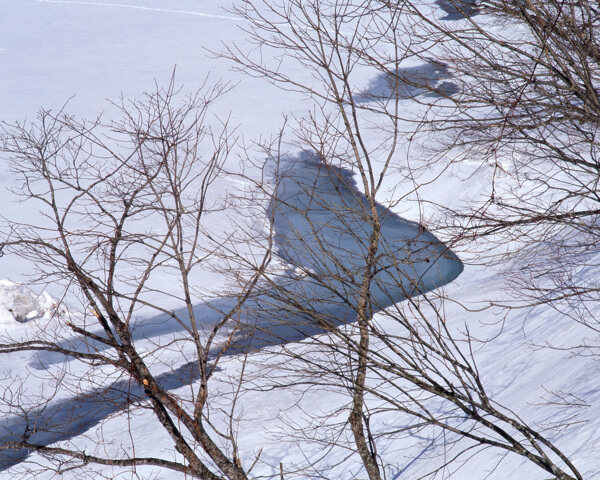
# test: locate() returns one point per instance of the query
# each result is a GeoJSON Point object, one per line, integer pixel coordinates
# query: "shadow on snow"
{"type": "Point", "coordinates": [409, 82]}
{"type": "Point", "coordinates": [322, 231]}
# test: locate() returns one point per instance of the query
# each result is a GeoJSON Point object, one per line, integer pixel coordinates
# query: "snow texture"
{"type": "Point", "coordinates": [18, 304]}
{"type": "Point", "coordinates": [52, 49]}
{"type": "Point", "coordinates": [318, 208]}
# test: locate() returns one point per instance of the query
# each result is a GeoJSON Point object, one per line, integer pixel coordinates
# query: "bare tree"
{"type": "Point", "coordinates": [353, 257]}
{"type": "Point", "coordinates": [123, 205]}
{"type": "Point", "coordinates": [528, 108]}
{"type": "Point", "coordinates": [414, 363]}
{"type": "Point", "coordinates": [346, 259]}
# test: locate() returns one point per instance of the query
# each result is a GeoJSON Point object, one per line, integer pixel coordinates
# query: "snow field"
{"type": "Point", "coordinates": [51, 49]}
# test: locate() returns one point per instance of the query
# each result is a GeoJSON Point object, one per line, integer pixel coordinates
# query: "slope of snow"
{"type": "Point", "coordinates": [53, 49]}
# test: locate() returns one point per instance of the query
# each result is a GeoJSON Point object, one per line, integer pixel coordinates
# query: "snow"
{"type": "Point", "coordinates": [429, 74]}
{"type": "Point", "coordinates": [51, 50]}
{"type": "Point", "coordinates": [324, 194]}
{"type": "Point", "coordinates": [18, 304]}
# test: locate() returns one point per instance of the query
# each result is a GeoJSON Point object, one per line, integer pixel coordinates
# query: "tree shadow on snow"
{"type": "Point", "coordinates": [319, 220]}
{"type": "Point", "coordinates": [458, 9]}
{"type": "Point", "coordinates": [409, 82]}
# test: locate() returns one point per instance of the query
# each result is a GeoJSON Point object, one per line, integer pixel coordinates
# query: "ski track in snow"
{"type": "Point", "coordinates": [139, 7]}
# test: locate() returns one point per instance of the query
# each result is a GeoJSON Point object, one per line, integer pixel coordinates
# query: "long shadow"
{"type": "Point", "coordinates": [430, 79]}
{"type": "Point", "coordinates": [322, 229]}
{"type": "Point", "coordinates": [427, 79]}
{"type": "Point", "coordinates": [458, 9]}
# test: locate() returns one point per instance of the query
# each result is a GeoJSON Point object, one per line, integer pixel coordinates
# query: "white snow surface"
{"type": "Point", "coordinates": [18, 304]}
{"type": "Point", "coordinates": [51, 50]}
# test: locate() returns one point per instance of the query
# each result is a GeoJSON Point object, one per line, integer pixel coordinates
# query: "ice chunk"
{"type": "Point", "coordinates": [19, 304]}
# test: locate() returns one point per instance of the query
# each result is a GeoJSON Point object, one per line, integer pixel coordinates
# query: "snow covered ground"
{"type": "Point", "coordinates": [19, 304]}
{"type": "Point", "coordinates": [51, 50]}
